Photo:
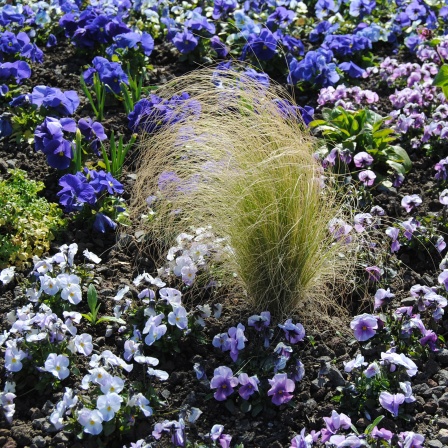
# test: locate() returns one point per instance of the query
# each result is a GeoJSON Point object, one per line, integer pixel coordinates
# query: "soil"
{"type": "Point", "coordinates": [121, 263]}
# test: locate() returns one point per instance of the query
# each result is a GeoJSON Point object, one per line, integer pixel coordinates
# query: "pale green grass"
{"type": "Point", "coordinates": [256, 183]}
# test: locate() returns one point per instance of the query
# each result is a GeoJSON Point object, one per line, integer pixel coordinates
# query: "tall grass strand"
{"type": "Point", "coordinates": [243, 163]}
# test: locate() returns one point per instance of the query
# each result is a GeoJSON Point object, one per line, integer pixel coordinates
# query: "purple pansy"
{"type": "Point", "coordinates": [19, 70]}
{"type": "Point", "coordinates": [364, 326]}
{"type": "Point", "coordinates": [443, 278]}
{"type": "Point", "coordinates": [185, 41]}
{"type": "Point", "coordinates": [367, 177]}
{"type": "Point", "coordinates": [333, 424]}
{"type": "Point", "coordinates": [409, 202]}
{"type": "Point", "coordinates": [391, 402]}
{"type": "Point", "coordinates": [362, 159]}
{"type": "Point", "coordinates": [224, 382]}
{"type": "Point", "coordinates": [410, 440]}
{"type": "Point", "coordinates": [393, 233]}
{"type": "Point", "coordinates": [49, 138]}
{"type": "Point", "coordinates": [249, 385]}
{"type": "Point", "coordinates": [293, 332]}
{"type": "Point", "coordinates": [259, 322]}
{"type": "Point", "coordinates": [374, 273]}
{"type": "Point", "coordinates": [281, 389]}
{"type": "Point", "coordinates": [381, 296]}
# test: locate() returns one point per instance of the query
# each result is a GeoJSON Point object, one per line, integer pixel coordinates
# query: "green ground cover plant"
{"type": "Point", "coordinates": [28, 222]}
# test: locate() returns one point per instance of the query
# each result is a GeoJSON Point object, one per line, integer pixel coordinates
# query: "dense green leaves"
{"type": "Point", "coordinates": [363, 130]}
{"type": "Point", "coordinates": [27, 222]}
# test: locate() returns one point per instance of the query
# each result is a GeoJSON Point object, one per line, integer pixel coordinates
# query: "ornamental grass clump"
{"type": "Point", "coordinates": [234, 154]}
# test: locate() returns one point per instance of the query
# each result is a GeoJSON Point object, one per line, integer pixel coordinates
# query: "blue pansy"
{"type": "Point", "coordinates": [110, 73]}
{"type": "Point", "coordinates": [353, 70]}
{"type": "Point", "coordinates": [185, 41]}
{"type": "Point", "coordinates": [263, 46]}
{"type": "Point", "coordinates": [102, 223]}
{"type": "Point", "coordinates": [316, 67]}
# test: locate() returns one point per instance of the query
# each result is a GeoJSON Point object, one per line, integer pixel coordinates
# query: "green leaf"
{"type": "Point", "coordinates": [441, 78]}
{"type": "Point", "coordinates": [111, 319]}
{"type": "Point", "coordinates": [354, 128]}
{"type": "Point", "coordinates": [398, 167]}
{"type": "Point", "coordinates": [87, 317]}
{"type": "Point", "coordinates": [92, 298]}
{"type": "Point", "coordinates": [372, 425]}
{"type": "Point", "coordinates": [316, 123]}
{"type": "Point", "coordinates": [404, 158]}
{"type": "Point", "coordinates": [383, 133]}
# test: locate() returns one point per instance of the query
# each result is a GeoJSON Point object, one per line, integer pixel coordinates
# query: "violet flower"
{"type": "Point", "coordinates": [281, 388]}
{"type": "Point", "coordinates": [340, 230]}
{"type": "Point", "coordinates": [237, 340]}
{"type": "Point", "coordinates": [372, 370]}
{"type": "Point", "coordinates": [302, 441]}
{"type": "Point", "coordinates": [103, 222]}
{"type": "Point", "coordinates": [298, 371]}
{"type": "Point", "coordinates": [19, 70]}
{"type": "Point", "coordinates": [393, 233]}
{"type": "Point", "coordinates": [185, 41]}
{"type": "Point", "coordinates": [65, 103]}
{"type": "Point", "coordinates": [249, 385]}
{"type": "Point", "coordinates": [364, 326]}
{"type": "Point", "coordinates": [102, 181]}
{"type": "Point", "coordinates": [262, 321]}
{"type": "Point", "coordinates": [394, 359]}
{"type": "Point", "coordinates": [407, 391]}
{"type": "Point", "coordinates": [367, 177]}
{"type": "Point", "coordinates": [262, 46]}
{"type": "Point", "coordinates": [443, 197]}
{"type": "Point", "coordinates": [409, 202]}
{"type": "Point", "coordinates": [443, 278]}
{"type": "Point", "coordinates": [391, 402]}
{"type": "Point", "coordinates": [110, 73]}
{"type": "Point", "coordinates": [93, 132]}
{"type": "Point", "coordinates": [381, 434]}
{"type": "Point", "coordinates": [216, 434]}
{"type": "Point", "coordinates": [76, 191]}
{"type": "Point", "coordinates": [429, 338]}
{"type": "Point", "coordinates": [354, 363]}
{"type": "Point", "coordinates": [340, 440]}
{"type": "Point", "coordinates": [224, 382]}
{"type": "Point", "coordinates": [374, 273]}
{"type": "Point", "coordinates": [410, 439]}
{"type": "Point", "coordinates": [333, 424]}
{"type": "Point", "coordinates": [381, 296]}
{"type": "Point", "coordinates": [293, 332]}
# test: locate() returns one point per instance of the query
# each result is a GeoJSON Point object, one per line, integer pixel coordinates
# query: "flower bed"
{"type": "Point", "coordinates": [128, 319]}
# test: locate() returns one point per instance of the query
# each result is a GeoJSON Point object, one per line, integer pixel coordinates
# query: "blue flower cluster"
{"type": "Point", "coordinates": [151, 113]}
{"type": "Point", "coordinates": [89, 188]}
{"type": "Point", "coordinates": [110, 73]}
{"type": "Point", "coordinates": [12, 44]}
